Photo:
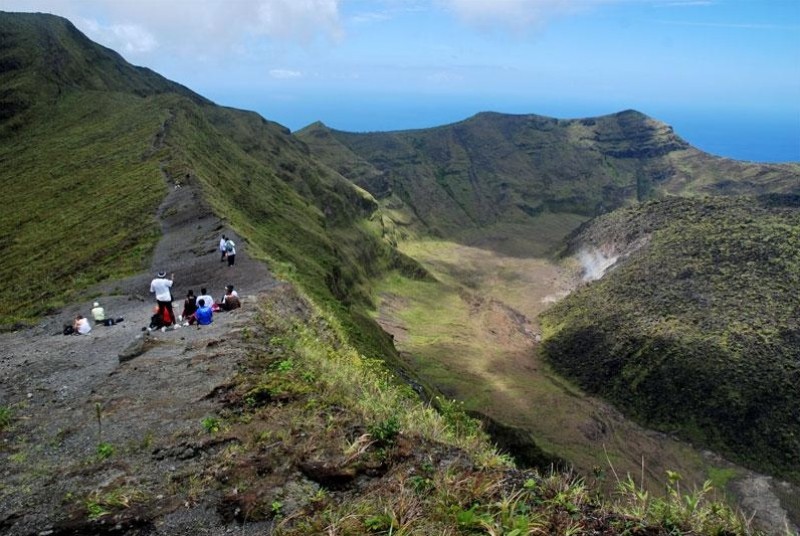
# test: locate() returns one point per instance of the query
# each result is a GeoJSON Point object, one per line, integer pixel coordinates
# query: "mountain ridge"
{"type": "Point", "coordinates": [495, 168]}
{"type": "Point", "coordinates": [301, 217]}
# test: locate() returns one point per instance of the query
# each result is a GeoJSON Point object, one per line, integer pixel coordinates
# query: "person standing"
{"type": "Point", "coordinates": [161, 286]}
{"type": "Point", "coordinates": [222, 242]}
{"type": "Point", "coordinates": [230, 251]}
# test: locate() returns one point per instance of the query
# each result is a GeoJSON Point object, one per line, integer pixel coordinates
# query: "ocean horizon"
{"type": "Point", "coordinates": [772, 137]}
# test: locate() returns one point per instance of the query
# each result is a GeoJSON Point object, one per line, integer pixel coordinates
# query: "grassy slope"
{"type": "Point", "coordinates": [89, 145]}
{"type": "Point", "coordinates": [309, 221]}
{"type": "Point", "coordinates": [697, 332]}
{"type": "Point", "coordinates": [78, 164]}
{"type": "Point", "coordinates": [307, 400]}
{"type": "Point", "coordinates": [81, 203]}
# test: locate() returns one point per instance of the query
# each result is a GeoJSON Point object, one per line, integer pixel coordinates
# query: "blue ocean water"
{"type": "Point", "coordinates": [759, 139]}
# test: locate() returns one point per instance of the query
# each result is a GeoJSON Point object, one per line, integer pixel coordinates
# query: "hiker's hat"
{"type": "Point", "coordinates": [95, 304]}
{"type": "Point", "coordinates": [162, 274]}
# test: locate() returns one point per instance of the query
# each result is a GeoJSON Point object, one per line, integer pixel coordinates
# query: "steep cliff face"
{"type": "Point", "coordinates": [499, 169]}
{"type": "Point", "coordinates": [634, 135]}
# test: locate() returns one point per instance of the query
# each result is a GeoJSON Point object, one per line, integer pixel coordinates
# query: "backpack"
{"type": "Point", "coordinates": [229, 246]}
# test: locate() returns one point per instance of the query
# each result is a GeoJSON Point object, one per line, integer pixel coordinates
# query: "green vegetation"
{"type": "Point", "coordinates": [105, 450]}
{"type": "Point", "coordinates": [99, 142]}
{"type": "Point", "coordinates": [210, 425]}
{"type": "Point", "coordinates": [6, 417]}
{"type": "Point", "coordinates": [339, 416]}
{"type": "Point", "coordinates": [696, 332]}
{"type": "Point", "coordinates": [66, 236]}
{"type": "Point", "coordinates": [102, 503]}
{"type": "Point", "coordinates": [89, 146]}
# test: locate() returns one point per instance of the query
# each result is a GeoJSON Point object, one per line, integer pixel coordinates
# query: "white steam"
{"type": "Point", "coordinates": [595, 263]}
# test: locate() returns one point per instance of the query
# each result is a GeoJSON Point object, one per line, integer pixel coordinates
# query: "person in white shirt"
{"type": "Point", "coordinates": [81, 325]}
{"type": "Point", "coordinates": [222, 242]}
{"type": "Point", "coordinates": [161, 287]}
{"type": "Point", "coordinates": [206, 297]}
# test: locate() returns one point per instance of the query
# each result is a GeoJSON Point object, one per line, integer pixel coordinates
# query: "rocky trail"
{"type": "Point", "coordinates": [85, 421]}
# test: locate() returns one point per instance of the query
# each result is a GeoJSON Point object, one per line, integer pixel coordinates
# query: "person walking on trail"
{"type": "Point", "coordinates": [230, 251]}
{"type": "Point", "coordinates": [222, 250]}
{"type": "Point", "coordinates": [161, 287]}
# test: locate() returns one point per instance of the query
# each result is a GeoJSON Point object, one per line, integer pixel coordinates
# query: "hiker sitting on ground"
{"type": "Point", "coordinates": [99, 315]}
{"type": "Point", "coordinates": [230, 301]}
{"type": "Point", "coordinates": [206, 297]}
{"type": "Point", "coordinates": [189, 305]}
{"type": "Point", "coordinates": [81, 325]}
{"type": "Point", "coordinates": [203, 315]}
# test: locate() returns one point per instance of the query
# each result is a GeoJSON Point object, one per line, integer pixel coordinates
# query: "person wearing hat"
{"type": "Point", "coordinates": [98, 313]}
{"type": "Point", "coordinates": [161, 286]}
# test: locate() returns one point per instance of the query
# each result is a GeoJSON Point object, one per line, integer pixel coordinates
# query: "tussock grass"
{"type": "Point", "coordinates": [438, 472]}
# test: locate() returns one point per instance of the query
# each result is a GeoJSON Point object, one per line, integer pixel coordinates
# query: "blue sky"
{"type": "Point", "coordinates": [724, 73]}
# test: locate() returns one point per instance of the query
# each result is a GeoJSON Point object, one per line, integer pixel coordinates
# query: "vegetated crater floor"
{"type": "Point", "coordinates": [475, 336]}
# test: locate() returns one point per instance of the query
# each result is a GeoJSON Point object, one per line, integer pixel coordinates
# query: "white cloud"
{"type": "Point", "coordinates": [518, 15]}
{"type": "Point", "coordinates": [445, 77]}
{"type": "Point", "coordinates": [370, 17]}
{"type": "Point", "coordinates": [284, 73]}
{"type": "Point", "coordinates": [127, 38]}
{"type": "Point", "coordinates": [208, 28]}
{"type": "Point", "coordinates": [299, 20]}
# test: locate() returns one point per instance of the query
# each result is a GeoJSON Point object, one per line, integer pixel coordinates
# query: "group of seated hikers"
{"type": "Point", "coordinates": [197, 310]}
